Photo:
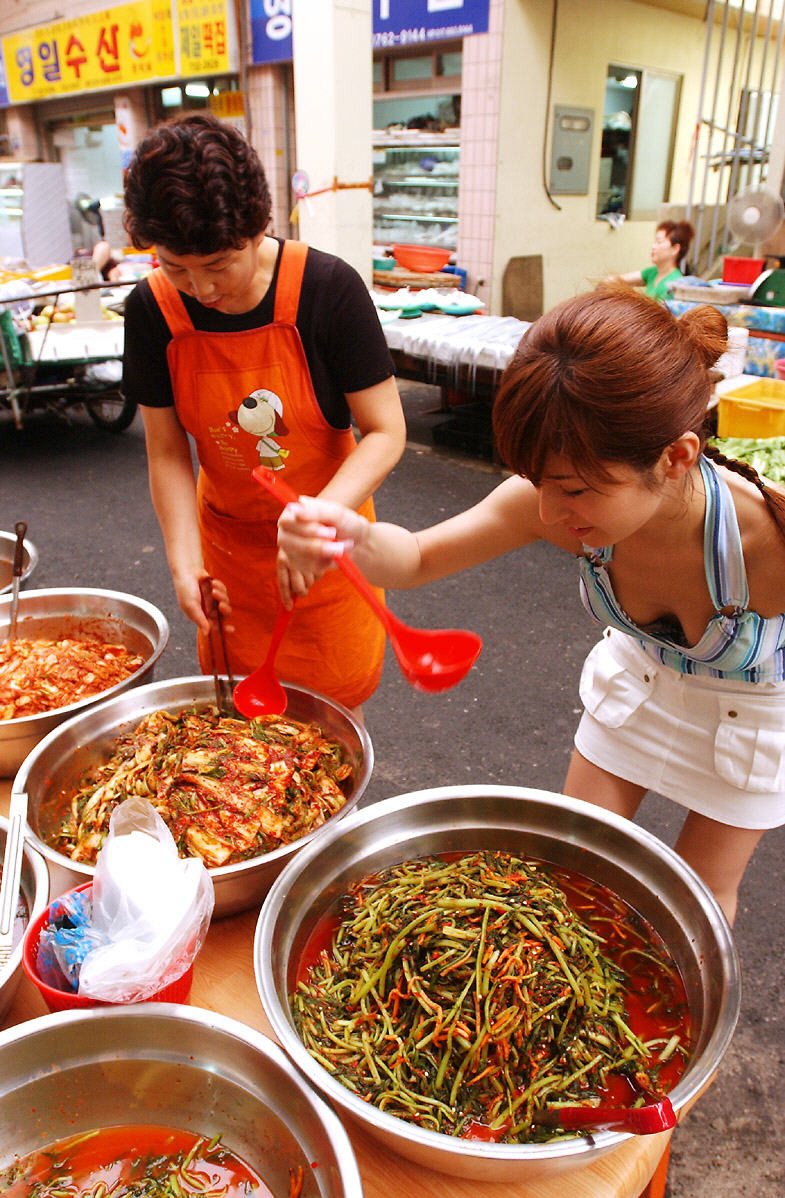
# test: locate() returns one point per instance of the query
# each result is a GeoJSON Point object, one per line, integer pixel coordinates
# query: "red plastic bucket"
{"type": "Point", "coordinates": [742, 270]}
{"type": "Point", "coordinates": [67, 1000]}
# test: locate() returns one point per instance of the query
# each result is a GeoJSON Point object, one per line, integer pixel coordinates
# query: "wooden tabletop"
{"type": "Point", "coordinates": [224, 982]}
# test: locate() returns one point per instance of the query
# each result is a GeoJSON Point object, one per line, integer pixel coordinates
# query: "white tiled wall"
{"type": "Point", "coordinates": [482, 57]}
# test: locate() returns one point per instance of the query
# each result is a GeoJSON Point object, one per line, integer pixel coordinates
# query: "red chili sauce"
{"type": "Point", "coordinates": [121, 1159]}
{"type": "Point", "coordinates": [656, 998]}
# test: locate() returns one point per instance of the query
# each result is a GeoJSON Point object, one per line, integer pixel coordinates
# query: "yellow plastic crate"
{"type": "Point", "coordinates": [754, 410]}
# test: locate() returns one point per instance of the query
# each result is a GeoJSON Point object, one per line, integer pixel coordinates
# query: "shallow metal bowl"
{"type": "Point", "coordinates": [51, 772]}
{"type": "Point", "coordinates": [531, 823]}
{"type": "Point", "coordinates": [175, 1066]}
{"type": "Point", "coordinates": [35, 893]}
{"type": "Point", "coordinates": [110, 616]}
{"type": "Point", "coordinates": [7, 553]}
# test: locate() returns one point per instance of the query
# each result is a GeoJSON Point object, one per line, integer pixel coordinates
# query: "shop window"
{"type": "Point", "coordinates": [638, 134]}
{"type": "Point", "coordinates": [193, 96]}
{"type": "Point", "coordinates": [438, 70]}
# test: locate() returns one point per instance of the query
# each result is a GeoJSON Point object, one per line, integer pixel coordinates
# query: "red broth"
{"type": "Point", "coordinates": [656, 998]}
{"type": "Point", "coordinates": [122, 1158]}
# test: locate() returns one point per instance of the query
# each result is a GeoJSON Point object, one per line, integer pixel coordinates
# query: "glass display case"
{"type": "Point", "coordinates": [415, 189]}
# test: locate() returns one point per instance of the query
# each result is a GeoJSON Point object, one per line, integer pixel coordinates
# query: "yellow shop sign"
{"type": "Point", "coordinates": [131, 43]}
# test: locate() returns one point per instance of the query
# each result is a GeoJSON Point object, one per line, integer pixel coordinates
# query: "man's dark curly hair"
{"type": "Point", "coordinates": [195, 186]}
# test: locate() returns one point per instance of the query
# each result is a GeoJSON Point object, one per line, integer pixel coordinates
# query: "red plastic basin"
{"type": "Point", "coordinates": [421, 257]}
{"type": "Point", "coordinates": [741, 270]}
{"type": "Point", "coordinates": [67, 1000]}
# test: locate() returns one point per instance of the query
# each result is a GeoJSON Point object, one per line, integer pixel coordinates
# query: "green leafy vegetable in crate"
{"type": "Point", "coordinates": [764, 454]}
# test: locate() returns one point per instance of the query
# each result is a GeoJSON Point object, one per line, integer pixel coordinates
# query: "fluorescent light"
{"type": "Point", "coordinates": [171, 97]}
{"type": "Point", "coordinates": [199, 91]}
{"type": "Point", "coordinates": [629, 81]}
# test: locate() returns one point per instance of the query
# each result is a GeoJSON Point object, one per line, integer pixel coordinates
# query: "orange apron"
{"type": "Point", "coordinates": [334, 644]}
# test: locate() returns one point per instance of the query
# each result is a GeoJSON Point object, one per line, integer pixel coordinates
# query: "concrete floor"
{"type": "Point", "coordinates": [83, 494]}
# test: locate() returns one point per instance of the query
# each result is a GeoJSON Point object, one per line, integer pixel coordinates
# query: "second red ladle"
{"type": "Point", "coordinates": [261, 693]}
{"type": "Point", "coordinates": [430, 659]}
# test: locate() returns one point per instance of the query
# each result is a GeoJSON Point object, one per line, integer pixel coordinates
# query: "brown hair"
{"type": "Point", "coordinates": [679, 233]}
{"type": "Point", "coordinates": [195, 186]}
{"type": "Point", "coordinates": [611, 377]}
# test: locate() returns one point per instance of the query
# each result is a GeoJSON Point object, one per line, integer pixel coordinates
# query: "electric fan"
{"type": "Point", "coordinates": [754, 215]}
{"type": "Point", "coordinates": [90, 210]}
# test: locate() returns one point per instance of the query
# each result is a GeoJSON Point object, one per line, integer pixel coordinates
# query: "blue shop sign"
{"type": "Point", "coordinates": [413, 22]}
{"type": "Point", "coordinates": [3, 87]}
{"type": "Point", "coordinates": [395, 23]}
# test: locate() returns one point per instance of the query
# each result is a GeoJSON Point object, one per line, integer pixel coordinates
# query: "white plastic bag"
{"type": "Point", "coordinates": [153, 906]}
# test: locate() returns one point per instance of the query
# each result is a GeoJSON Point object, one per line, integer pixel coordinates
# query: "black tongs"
{"type": "Point", "coordinates": [224, 683]}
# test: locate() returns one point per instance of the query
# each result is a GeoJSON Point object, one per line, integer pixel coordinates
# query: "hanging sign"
{"type": "Point", "coordinates": [395, 23]}
{"type": "Point", "coordinates": [204, 47]}
{"type": "Point", "coordinates": [411, 22]}
{"type": "Point", "coordinates": [132, 43]}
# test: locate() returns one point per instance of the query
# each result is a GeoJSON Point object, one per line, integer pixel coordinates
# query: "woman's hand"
{"type": "Point", "coordinates": [189, 596]}
{"type": "Point", "coordinates": [311, 535]}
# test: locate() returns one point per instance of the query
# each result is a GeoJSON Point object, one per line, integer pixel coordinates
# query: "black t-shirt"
{"type": "Point", "coordinates": [342, 338]}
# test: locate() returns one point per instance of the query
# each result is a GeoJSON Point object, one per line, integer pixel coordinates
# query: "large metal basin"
{"type": "Point", "coordinates": [109, 616]}
{"type": "Point", "coordinates": [52, 770]}
{"type": "Point", "coordinates": [532, 823]}
{"type": "Point", "coordinates": [170, 1065]}
{"type": "Point", "coordinates": [7, 553]}
{"type": "Point", "coordinates": [35, 891]}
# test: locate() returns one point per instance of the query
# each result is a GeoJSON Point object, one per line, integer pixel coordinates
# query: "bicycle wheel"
{"type": "Point", "coordinates": [111, 411]}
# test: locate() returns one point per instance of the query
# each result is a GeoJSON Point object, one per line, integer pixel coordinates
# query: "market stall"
{"type": "Point", "coordinates": [224, 982]}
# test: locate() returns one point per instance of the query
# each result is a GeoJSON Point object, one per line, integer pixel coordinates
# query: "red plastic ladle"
{"type": "Point", "coordinates": [260, 693]}
{"type": "Point", "coordinates": [431, 659]}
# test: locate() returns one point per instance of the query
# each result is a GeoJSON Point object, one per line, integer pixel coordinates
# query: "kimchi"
{"type": "Point", "coordinates": [40, 675]}
{"type": "Point", "coordinates": [227, 788]}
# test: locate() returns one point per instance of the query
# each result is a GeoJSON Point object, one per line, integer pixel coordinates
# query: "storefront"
{"type": "Point", "coordinates": [82, 93]}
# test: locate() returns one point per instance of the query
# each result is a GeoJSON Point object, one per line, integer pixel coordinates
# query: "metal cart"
{"type": "Point", "coordinates": [63, 367]}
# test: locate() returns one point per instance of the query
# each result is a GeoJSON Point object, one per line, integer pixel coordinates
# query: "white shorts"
{"type": "Point", "coordinates": [714, 745]}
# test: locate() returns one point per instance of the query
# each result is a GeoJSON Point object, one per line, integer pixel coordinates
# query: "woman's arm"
{"type": "Point", "coordinates": [314, 532]}
{"type": "Point", "coordinates": [379, 416]}
{"type": "Point", "coordinates": [173, 492]}
{"type": "Point", "coordinates": [633, 277]}
{"type": "Point", "coordinates": [380, 420]}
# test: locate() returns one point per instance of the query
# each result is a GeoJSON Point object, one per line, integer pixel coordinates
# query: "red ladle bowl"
{"type": "Point", "coordinates": [260, 693]}
{"type": "Point", "coordinates": [431, 659]}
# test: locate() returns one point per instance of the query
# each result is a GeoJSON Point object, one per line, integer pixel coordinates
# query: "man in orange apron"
{"type": "Point", "coordinates": [262, 351]}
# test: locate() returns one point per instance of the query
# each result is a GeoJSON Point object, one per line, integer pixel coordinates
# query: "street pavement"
{"type": "Point", "coordinates": [83, 493]}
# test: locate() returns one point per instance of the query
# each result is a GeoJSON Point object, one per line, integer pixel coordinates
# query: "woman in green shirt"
{"type": "Point", "coordinates": [671, 242]}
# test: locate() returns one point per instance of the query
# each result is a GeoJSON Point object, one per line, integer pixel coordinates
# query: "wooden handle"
{"type": "Point", "coordinates": [20, 528]}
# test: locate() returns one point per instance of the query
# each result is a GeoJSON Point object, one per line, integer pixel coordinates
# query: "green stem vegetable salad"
{"type": "Point", "coordinates": [469, 996]}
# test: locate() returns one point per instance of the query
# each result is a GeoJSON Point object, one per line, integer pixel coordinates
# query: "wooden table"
{"type": "Point", "coordinates": [224, 982]}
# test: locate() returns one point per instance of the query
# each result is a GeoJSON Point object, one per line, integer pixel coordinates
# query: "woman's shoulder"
{"type": "Point", "coordinates": [762, 542]}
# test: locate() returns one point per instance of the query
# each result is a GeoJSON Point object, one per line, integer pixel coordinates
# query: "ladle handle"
{"type": "Point", "coordinates": [285, 494]}
{"type": "Point", "coordinates": [279, 628]}
{"type": "Point", "coordinates": [20, 528]}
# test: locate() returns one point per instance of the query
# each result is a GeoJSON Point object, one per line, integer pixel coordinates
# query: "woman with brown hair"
{"type": "Point", "coordinates": [669, 248]}
{"type": "Point", "coordinates": [681, 555]}
{"type": "Point", "coordinates": [265, 351]}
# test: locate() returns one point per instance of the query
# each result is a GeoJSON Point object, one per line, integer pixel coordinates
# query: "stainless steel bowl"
{"type": "Point", "coordinates": [7, 553]}
{"type": "Point", "coordinates": [170, 1065]}
{"type": "Point", "coordinates": [52, 770]}
{"type": "Point", "coordinates": [531, 823]}
{"type": "Point", "coordinates": [78, 611]}
{"type": "Point", "coordinates": [35, 892]}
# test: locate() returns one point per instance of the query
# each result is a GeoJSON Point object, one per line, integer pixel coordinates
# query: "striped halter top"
{"type": "Point", "coordinates": [739, 644]}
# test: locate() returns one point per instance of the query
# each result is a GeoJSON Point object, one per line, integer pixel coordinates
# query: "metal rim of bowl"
{"type": "Point", "coordinates": [162, 639]}
{"type": "Point", "coordinates": [32, 559]}
{"type": "Point", "coordinates": [263, 1045]}
{"type": "Point", "coordinates": [339, 1095]}
{"type": "Point", "coordinates": [217, 873]}
{"type": "Point", "coordinates": [40, 899]}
